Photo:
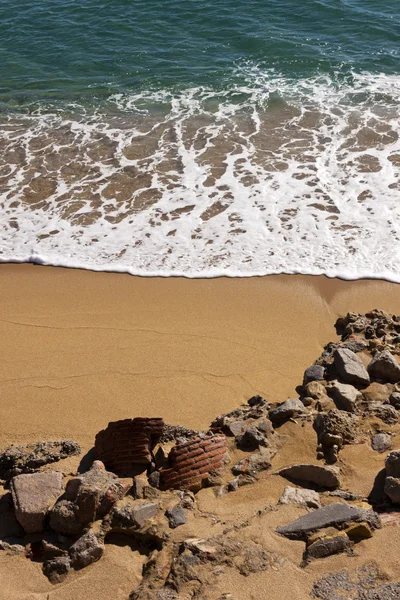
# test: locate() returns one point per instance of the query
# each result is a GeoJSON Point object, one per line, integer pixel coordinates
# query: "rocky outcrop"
{"type": "Point", "coordinates": [126, 445]}
{"type": "Point", "coordinates": [193, 461]}
{"type": "Point", "coordinates": [33, 495]}
{"type": "Point", "coordinates": [16, 460]}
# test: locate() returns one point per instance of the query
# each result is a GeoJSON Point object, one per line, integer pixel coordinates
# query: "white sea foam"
{"type": "Point", "coordinates": [271, 176]}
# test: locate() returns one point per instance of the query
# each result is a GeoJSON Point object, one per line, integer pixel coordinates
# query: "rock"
{"type": "Point", "coordinates": [253, 464]}
{"type": "Point", "coordinates": [337, 515]}
{"type": "Point", "coordinates": [131, 516]}
{"type": "Point", "coordinates": [392, 489]}
{"type": "Point", "coordinates": [154, 479]}
{"type": "Point", "coordinates": [139, 484]}
{"type": "Point", "coordinates": [257, 401]}
{"type": "Point", "coordinates": [385, 367]}
{"type": "Point", "coordinates": [315, 475]}
{"type": "Point", "coordinates": [305, 498]}
{"type": "Point", "coordinates": [329, 545]}
{"type": "Point", "coordinates": [16, 460]}
{"type": "Point", "coordinates": [377, 392]}
{"type": "Point", "coordinates": [395, 400]}
{"type": "Point", "coordinates": [286, 410]}
{"type": "Point", "coordinates": [87, 550]}
{"type": "Point", "coordinates": [344, 395]}
{"type": "Point", "coordinates": [313, 373]}
{"type": "Point", "coordinates": [350, 368]}
{"type": "Point", "coordinates": [235, 428]}
{"type": "Point", "coordinates": [33, 495]}
{"type": "Point", "coordinates": [176, 516]}
{"type": "Point", "coordinates": [359, 531]}
{"type": "Point", "coordinates": [381, 442]}
{"type": "Point", "coordinates": [57, 569]}
{"type": "Point", "coordinates": [257, 436]}
{"type": "Point", "coordinates": [63, 518]}
{"type": "Point", "coordinates": [334, 429]}
{"type": "Point", "coordinates": [314, 390]}
{"type": "Point", "coordinates": [363, 584]}
{"type": "Point", "coordinates": [388, 414]}
{"type": "Point", "coordinates": [11, 546]}
{"type": "Point", "coordinates": [356, 345]}
{"type": "Point", "coordinates": [94, 492]}
{"type": "Point", "coordinates": [392, 464]}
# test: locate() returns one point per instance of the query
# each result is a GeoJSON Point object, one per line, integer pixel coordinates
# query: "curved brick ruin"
{"type": "Point", "coordinates": [192, 461]}
{"type": "Point", "coordinates": [126, 445]}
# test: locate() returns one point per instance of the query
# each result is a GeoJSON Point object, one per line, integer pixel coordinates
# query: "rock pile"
{"type": "Point", "coordinates": [15, 460]}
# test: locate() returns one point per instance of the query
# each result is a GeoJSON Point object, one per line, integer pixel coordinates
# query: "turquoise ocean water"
{"type": "Point", "coordinates": [201, 137]}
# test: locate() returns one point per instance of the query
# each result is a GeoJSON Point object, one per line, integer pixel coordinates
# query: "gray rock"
{"type": "Point", "coordinates": [326, 477]}
{"type": "Point", "coordinates": [344, 395]}
{"type": "Point", "coordinates": [385, 367]}
{"type": "Point", "coordinates": [255, 437]}
{"type": "Point", "coordinates": [286, 410]}
{"type": "Point", "coordinates": [313, 373]}
{"type": "Point", "coordinates": [139, 483]}
{"type": "Point", "coordinates": [392, 464]}
{"type": "Point", "coordinates": [33, 495]}
{"type": "Point", "coordinates": [57, 569]}
{"type": "Point", "coordinates": [305, 498]}
{"type": "Point", "coordinates": [131, 516]}
{"type": "Point", "coordinates": [388, 414]}
{"type": "Point", "coordinates": [395, 400]}
{"type": "Point", "coordinates": [381, 442]}
{"type": "Point", "coordinates": [63, 518]}
{"type": "Point", "coordinates": [253, 464]}
{"type": "Point", "coordinates": [337, 515]}
{"type": "Point", "coordinates": [329, 546]}
{"type": "Point", "coordinates": [350, 367]}
{"type": "Point", "coordinates": [235, 428]}
{"type": "Point", "coordinates": [356, 345]}
{"type": "Point", "coordinates": [176, 516]}
{"type": "Point", "coordinates": [11, 546]}
{"type": "Point", "coordinates": [154, 479]}
{"type": "Point", "coordinates": [392, 489]}
{"type": "Point", "coordinates": [87, 550]}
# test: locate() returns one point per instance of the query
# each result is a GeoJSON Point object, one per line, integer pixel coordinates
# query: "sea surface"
{"type": "Point", "coordinates": [201, 137]}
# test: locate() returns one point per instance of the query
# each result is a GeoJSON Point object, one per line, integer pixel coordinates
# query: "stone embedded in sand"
{"type": "Point", "coordinates": [176, 516]}
{"type": "Point", "coordinates": [338, 423]}
{"type": "Point", "coordinates": [359, 531]}
{"type": "Point", "coordinates": [313, 373]}
{"type": "Point", "coordinates": [130, 516]}
{"type": "Point", "coordinates": [57, 569]}
{"type": "Point", "coordinates": [193, 461]}
{"type": "Point", "coordinates": [126, 445]}
{"type": "Point", "coordinates": [377, 392]}
{"type": "Point", "coordinates": [329, 545]}
{"type": "Point", "coordinates": [395, 400]}
{"type": "Point", "coordinates": [381, 442]}
{"type": "Point", "coordinates": [261, 434]}
{"type": "Point", "coordinates": [86, 550]}
{"type": "Point", "coordinates": [33, 495]}
{"type": "Point", "coordinates": [16, 460]}
{"type": "Point", "coordinates": [314, 390]}
{"type": "Point", "coordinates": [253, 464]}
{"type": "Point", "coordinates": [344, 395]}
{"type": "Point", "coordinates": [350, 368]}
{"type": "Point", "coordinates": [11, 547]}
{"type": "Point", "coordinates": [385, 367]}
{"type": "Point", "coordinates": [305, 498]}
{"type": "Point", "coordinates": [315, 475]}
{"type": "Point", "coordinates": [287, 410]}
{"type": "Point", "coordinates": [337, 515]}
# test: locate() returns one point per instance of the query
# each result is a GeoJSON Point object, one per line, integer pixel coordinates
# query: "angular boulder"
{"type": "Point", "coordinates": [286, 410]}
{"type": "Point", "coordinates": [34, 495]}
{"type": "Point", "coordinates": [384, 367]}
{"type": "Point", "coordinates": [381, 442]}
{"type": "Point", "coordinates": [337, 515]}
{"type": "Point", "coordinates": [130, 516]}
{"type": "Point", "coordinates": [324, 477]}
{"type": "Point", "coordinates": [313, 373]}
{"type": "Point", "coordinates": [350, 368]}
{"type": "Point", "coordinates": [176, 516]}
{"type": "Point", "coordinates": [344, 395]}
{"type": "Point", "coordinates": [57, 569]}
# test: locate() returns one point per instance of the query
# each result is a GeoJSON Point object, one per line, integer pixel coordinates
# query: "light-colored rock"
{"type": "Point", "coordinates": [287, 410]}
{"type": "Point", "coordinates": [11, 547]}
{"type": "Point", "coordinates": [130, 516]}
{"type": "Point", "coordinates": [381, 442]}
{"type": "Point", "coordinates": [344, 395]}
{"type": "Point", "coordinates": [305, 498]}
{"type": "Point", "coordinates": [350, 368]}
{"type": "Point", "coordinates": [326, 477]}
{"type": "Point", "coordinates": [87, 550]}
{"type": "Point", "coordinates": [385, 367]}
{"type": "Point", "coordinates": [33, 495]}
{"type": "Point", "coordinates": [314, 390]}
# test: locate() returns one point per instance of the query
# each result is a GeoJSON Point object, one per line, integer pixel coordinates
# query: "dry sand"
{"type": "Point", "coordinates": [80, 349]}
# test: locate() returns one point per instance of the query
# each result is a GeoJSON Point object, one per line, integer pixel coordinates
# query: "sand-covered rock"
{"type": "Point", "coordinates": [324, 477]}
{"type": "Point", "coordinates": [305, 498]}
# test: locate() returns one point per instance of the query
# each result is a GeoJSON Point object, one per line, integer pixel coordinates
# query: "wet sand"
{"type": "Point", "coordinates": [83, 348]}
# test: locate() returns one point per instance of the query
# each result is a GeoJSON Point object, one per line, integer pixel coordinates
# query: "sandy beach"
{"type": "Point", "coordinates": [81, 349]}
